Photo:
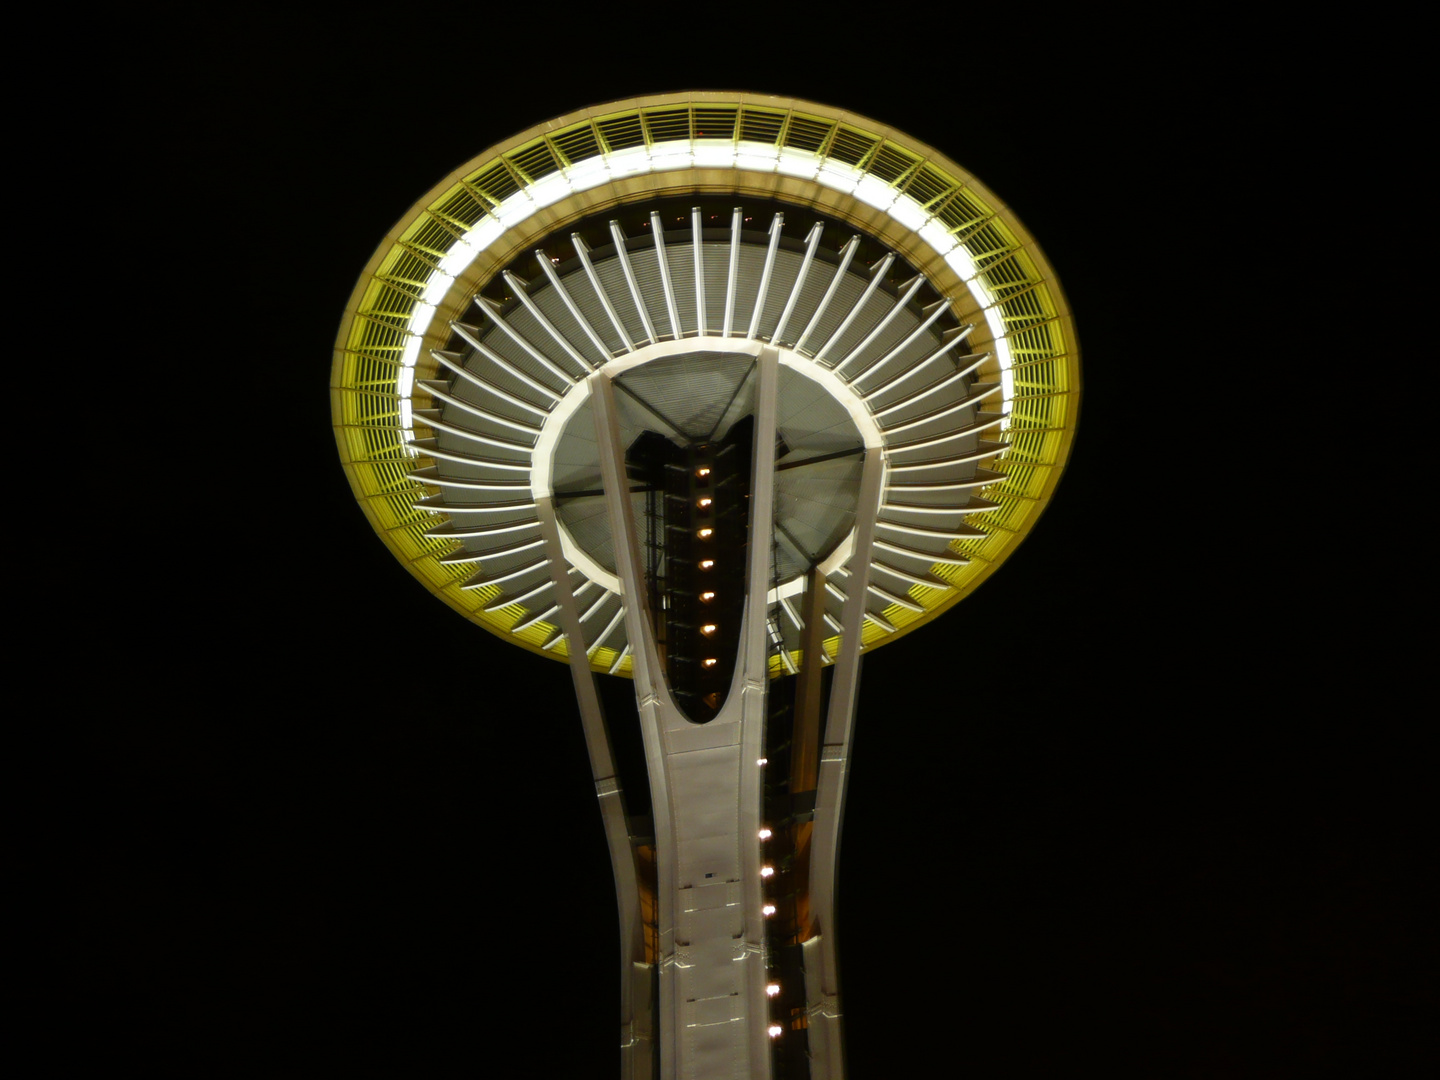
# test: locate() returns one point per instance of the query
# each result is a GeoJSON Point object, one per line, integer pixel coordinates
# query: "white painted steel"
{"type": "Point", "coordinates": [637, 1028]}
{"type": "Point", "coordinates": [582, 249]}
{"type": "Point", "coordinates": [846, 254]}
{"type": "Point", "coordinates": [713, 1007]}
{"type": "Point", "coordinates": [475, 380]}
{"type": "Point", "coordinates": [491, 310]}
{"type": "Point", "coordinates": [658, 229]}
{"type": "Point", "coordinates": [624, 256]}
{"type": "Point", "coordinates": [570, 305]}
{"type": "Point", "coordinates": [823, 987]}
{"type": "Point", "coordinates": [539, 316]}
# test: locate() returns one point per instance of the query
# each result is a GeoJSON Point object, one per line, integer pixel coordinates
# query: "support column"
{"type": "Point", "coordinates": [822, 977]}
{"type": "Point", "coordinates": [705, 789]}
{"type": "Point", "coordinates": [805, 743]}
{"type": "Point", "coordinates": [637, 1024]}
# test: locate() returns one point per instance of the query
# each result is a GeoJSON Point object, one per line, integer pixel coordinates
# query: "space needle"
{"type": "Point", "coordinates": [716, 392]}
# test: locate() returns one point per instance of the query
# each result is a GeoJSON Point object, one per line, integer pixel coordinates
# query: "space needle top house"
{"type": "Point", "coordinates": [712, 391]}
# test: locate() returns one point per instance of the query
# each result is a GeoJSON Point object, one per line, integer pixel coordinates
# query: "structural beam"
{"type": "Point", "coordinates": [637, 1027]}
{"type": "Point", "coordinates": [713, 1009]}
{"type": "Point", "coordinates": [822, 978]}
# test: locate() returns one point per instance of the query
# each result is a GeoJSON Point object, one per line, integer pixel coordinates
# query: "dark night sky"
{"type": "Point", "coordinates": [1123, 805]}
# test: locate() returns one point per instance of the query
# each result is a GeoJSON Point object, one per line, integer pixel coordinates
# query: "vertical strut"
{"type": "Point", "coordinates": [637, 1026]}
{"type": "Point", "coordinates": [822, 984]}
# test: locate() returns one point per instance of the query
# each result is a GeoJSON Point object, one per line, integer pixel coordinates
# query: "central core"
{"type": "Point", "coordinates": [686, 421]}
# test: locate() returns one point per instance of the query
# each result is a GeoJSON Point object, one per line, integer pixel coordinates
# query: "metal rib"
{"type": "Point", "coordinates": [846, 254]}
{"type": "Point", "coordinates": [525, 624]}
{"type": "Point", "coordinates": [882, 622]}
{"type": "Point", "coordinates": [937, 309]}
{"type": "Point", "coordinates": [614, 622]}
{"type": "Point", "coordinates": [463, 556]}
{"type": "Point", "coordinates": [449, 530]}
{"type": "Point", "coordinates": [507, 601]}
{"type": "Point", "coordinates": [935, 463]}
{"type": "Point", "coordinates": [978, 424]}
{"type": "Point", "coordinates": [790, 611]}
{"type": "Point", "coordinates": [492, 311]}
{"type": "Point", "coordinates": [898, 601]}
{"type": "Point", "coordinates": [777, 226]}
{"type": "Point", "coordinates": [733, 272]}
{"type": "Point", "coordinates": [570, 304]}
{"type": "Point", "coordinates": [430, 475]}
{"type": "Point", "coordinates": [785, 659]}
{"type": "Point", "coordinates": [500, 362]}
{"type": "Point", "coordinates": [976, 505]}
{"type": "Point", "coordinates": [812, 243]}
{"type": "Point", "coordinates": [923, 364]}
{"type": "Point", "coordinates": [582, 249]}
{"type": "Point", "coordinates": [895, 309]}
{"type": "Point", "coordinates": [929, 558]}
{"type": "Point", "coordinates": [938, 534]}
{"type": "Point", "coordinates": [624, 256]}
{"type": "Point", "coordinates": [699, 252]}
{"type": "Point", "coordinates": [888, 597]}
{"type": "Point", "coordinates": [983, 448]}
{"type": "Point", "coordinates": [478, 582]}
{"type": "Point", "coordinates": [595, 606]}
{"type": "Point", "coordinates": [549, 327]}
{"type": "Point", "coordinates": [425, 447]}
{"type": "Point", "coordinates": [659, 231]}
{"type": "Point", "coordinates": [438, 424]}
{"type": "Point", "coordinates": [953, 485]}
{"type": "Point", "coordinates": [475, 380]}
{"type": "Point", "coordinates": [436, 504]}
{"type": "Point", "coordinates": [877, 275]}
{"type": "Point", "coordinates": [620, 659]}
{"type": "Point", "coordinates": [949, 380]}
{"type": "Point", "coordinates": [438, 389]}
{"type": "Point", "coordinates": [913, 579]}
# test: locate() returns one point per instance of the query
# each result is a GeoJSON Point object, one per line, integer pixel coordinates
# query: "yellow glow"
{"type": "Point", "coordinates": [767, 871]}
{"type": "Point", "coordinates": [705, 502]}
{"type": "Point", "coordinates": [775, 1030]}
{"type": "Point", "coordinates": [709, 663]}
{"type": "Point", "coordinates": [709, 628]}
{"type": "Point", "coordinates": [771, 989]}
{"type": "Point", "coordinates": [705, 564]}
{"type": "Point", "coordinates": [702, 471]}
{"type": "Point", "coordinates": [765, 834]}
{"type": "Point", "coordinates": [768, 910]}
{"type": "Point", "coordinates": [707, 596]}
{"type": "Point", "coordinates": [705, 533]}
{"type": "Point", "coordinates": [366, 461]}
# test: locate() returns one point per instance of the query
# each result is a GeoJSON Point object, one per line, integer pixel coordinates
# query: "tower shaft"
{"type": "Point", "coordinates": [697, 1006]}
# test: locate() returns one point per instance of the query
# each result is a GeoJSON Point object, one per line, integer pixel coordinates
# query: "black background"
{"type": "Point", "coordinates": [1139, 804]}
